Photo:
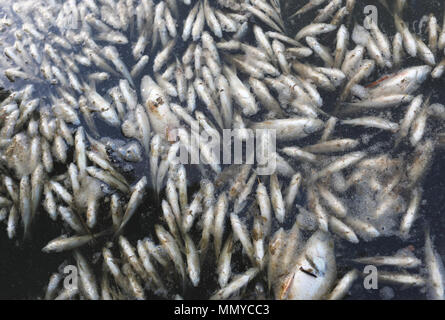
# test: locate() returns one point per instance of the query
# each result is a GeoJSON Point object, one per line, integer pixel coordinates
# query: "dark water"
{"type": "Point", "coordinates": [25, 270]}
{"type": "Point", "coordinates": [432, 208]}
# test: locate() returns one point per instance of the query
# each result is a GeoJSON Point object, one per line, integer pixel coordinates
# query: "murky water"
{"type": "Point", "coordinates": [25, 270]}
{"type": "Point", "coordinates": [433, 206]}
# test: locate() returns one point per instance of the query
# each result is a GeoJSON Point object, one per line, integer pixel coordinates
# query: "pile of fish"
{"type": "Point", "coordinates": [98, 89]}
